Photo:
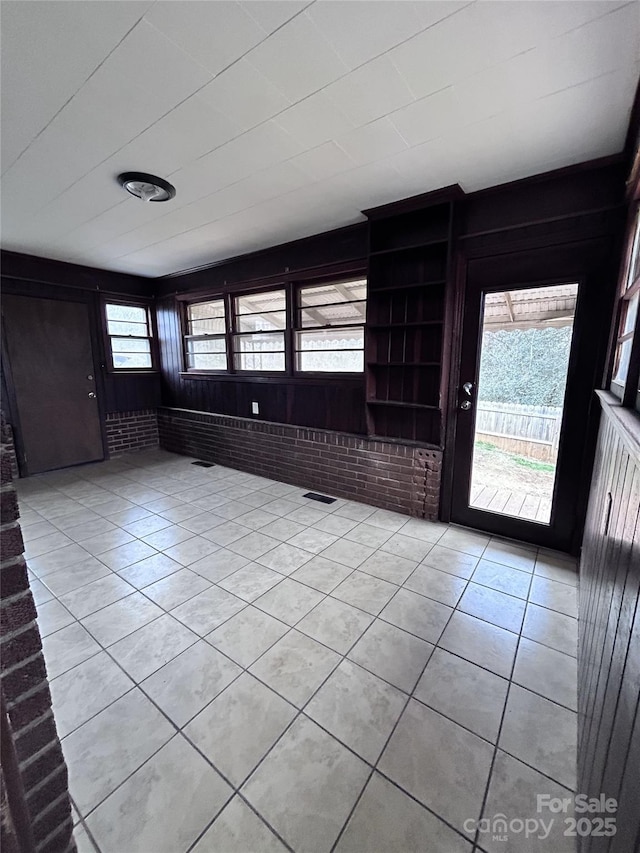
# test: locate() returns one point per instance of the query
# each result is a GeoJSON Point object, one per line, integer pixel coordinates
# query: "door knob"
{"type": "Point", "coordinates": [92, 394]}
{"type": "Point", "coordinates": [468, 388]}
{"type": "Point", "coordinates": [465, 405]}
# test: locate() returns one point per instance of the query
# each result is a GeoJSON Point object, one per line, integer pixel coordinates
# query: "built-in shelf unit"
{"type": "Point", "coordinates": [409, 274]}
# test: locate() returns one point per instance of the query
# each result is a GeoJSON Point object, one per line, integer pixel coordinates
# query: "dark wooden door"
{"type": "Point", "coordinates": [48, 343]}
{"type": "Point", "coordinates": [582, 264]}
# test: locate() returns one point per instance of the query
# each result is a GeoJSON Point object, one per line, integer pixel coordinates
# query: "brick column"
{"type": "Point", "coordinates": [39, 783]}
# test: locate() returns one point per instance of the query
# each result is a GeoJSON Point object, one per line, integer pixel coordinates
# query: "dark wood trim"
{"type": "Point", "coordinates": [135, 302]}
{"type": "Point", "coordinates": [626, 420]}
{"type": "Point", "coordinates": [320, 273]}
{"type": "Point", "coordinates": [10, 404]}
{"type": "Point", "coordinates": [632, 148]}
{"type": "Point", "coordinates": [553, 175]}
{"type": "Point", "coordinates": [31, 268]}
{"type": "Point", "coordinates": [276, 378]}
{"type": "Point", "coordinates": [94, 316]}
{"type": "Point", "coordinates": [453, 192]}
{"type": "Point", "coordinates": [315, 252]}
{"type": "Point", "coordinates": [459, 275]}
{"type": "Point", "coordinates": [590, 263]}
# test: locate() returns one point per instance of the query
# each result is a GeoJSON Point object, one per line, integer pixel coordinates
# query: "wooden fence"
{"type": "Point", "coordinates": [530, 431]}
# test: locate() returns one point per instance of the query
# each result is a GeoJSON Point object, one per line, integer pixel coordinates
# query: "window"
{"type": "Point", "coordinates": [329, 336]}
{"type": "Point", "coordinates": [260, 321]}
{"type": "Point", "coordinates": [129, 333]}
{"type": "Point", "coordinates": [626, 365]}
{"type": "Point", "coordinates": [288, 328]}
{"type": "Point", "coordinates": [205, 341]}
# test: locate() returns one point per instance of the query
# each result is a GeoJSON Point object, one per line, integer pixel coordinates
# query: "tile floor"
{"type": "Point", "coordinates": [235, 667]}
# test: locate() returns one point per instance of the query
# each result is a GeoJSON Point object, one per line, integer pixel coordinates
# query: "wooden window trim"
{"type": "Point", "coordinates": [147, 304]}
{"type": "Point", "coordinates": [183, 306]}
{"type": "Point", "coordinates": [296, 326]}
{"type": "Point", "coordinates": [341, 271]}
{"type": "Point", "coordinates": [627, 392]}
{"type": "Point", "coordinates": [273, 288]}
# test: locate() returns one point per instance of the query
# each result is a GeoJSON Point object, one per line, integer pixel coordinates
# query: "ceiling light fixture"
{"type": "Point", "coordinates": [146, 187]}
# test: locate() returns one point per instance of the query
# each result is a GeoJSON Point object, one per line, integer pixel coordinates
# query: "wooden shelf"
{"type": "Point", "coordinates": [440, 241]}
{"type": "Point", "coordinates": [397, 288]}
{"type": "Point", "coordinates": [409, 252]}
{"type": "Point", "coordinates": [404, 325]}
{"type": "Point", "coordinates": [403, 364]}
{"type": "Point", "coordinates": [399, 404]}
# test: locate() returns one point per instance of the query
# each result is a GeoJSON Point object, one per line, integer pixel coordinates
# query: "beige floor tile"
{"type": "Point", "coordinates": [442, 765]}
{"type": "Point", "coordinates": [306, 800]}
{"type": "Point", "coordinates": [358, 708]}
{"type": "Point", "coordinates": [164, 806]}
{"type": "Point", "coordinates": [239, 727]}
{"type": "Point", "coordinates": [295, 667]}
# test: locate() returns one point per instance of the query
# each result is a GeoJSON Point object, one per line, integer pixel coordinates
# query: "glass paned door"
{"type": "Point", "coordinates": [525, 344]}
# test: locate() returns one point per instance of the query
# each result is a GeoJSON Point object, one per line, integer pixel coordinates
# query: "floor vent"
{"type": "Point", "coordinates": [201, 464]}
{"type": "Point", "coordinates": [323, 499]}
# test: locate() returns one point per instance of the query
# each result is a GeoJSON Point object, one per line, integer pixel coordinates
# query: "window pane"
{"type": "Point", "coordinates": [346, 291]}
{"type": "Point", "coordinates": [331, 350]}
{"type": "Point", "coordinates": [137, 329]}
{"type": "Point", "coordinates": [207, 361]}
{"type": "Point", "coordinates": [205, 310]}
{"type": "Point", "coordinates": [131, 313]}
{"type": "Point", "coordinates": [623, 356]}
{"type": "Point", "coordinates": [130, 345]}
{"type": "Point", "coordinates": [131, 360]}
{"type": "Point", "coordinates": [634, 266]}
{"type": "Point", "coordinates": [261, 322]}
{"type": "Point", "coordinates": [334, 315]}
{"type": "Point", "coordinates": [259, 361]}
{"type": "Point", "coordinates": [206, 318]}
{"type": "Point", "coordinates": [210, 345]}
{"type": "Point", "coordinates": [344, 361]}
{"type": "Point", "coordinates": [212, 326]}
{"type": "Point", "coordinates": [273, 342]}
{"type": "Point", "coordinates": [259, 352]}
{"type": "Point", "coordinates": [330, 339]}
{"type": "Point", "coordinates": [630, 307]}
{"type": "Point", "coordinates": [258, 303]}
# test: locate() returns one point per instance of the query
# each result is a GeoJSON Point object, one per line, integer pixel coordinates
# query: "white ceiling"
{"type": "Point", "coordinates": [277, 119]}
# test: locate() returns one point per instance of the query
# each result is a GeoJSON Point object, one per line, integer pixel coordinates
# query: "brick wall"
{"type": "Point", "coordinates": [39, 784]}
{"type": "Point", "coordinates": [400, 477]}
{"type": "Point", "coordinates": [128, 431]}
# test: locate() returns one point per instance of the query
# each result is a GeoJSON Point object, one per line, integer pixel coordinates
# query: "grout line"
{"type": "Point", "coordinates": [342, 657]}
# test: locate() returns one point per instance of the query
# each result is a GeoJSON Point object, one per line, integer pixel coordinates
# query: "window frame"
{"type": "Point", "coordinates": [627, 392]}
{"type": "Point", "coordinates": [184, 317]}
{"type": "Point", "coordinates": [328, 273]}
{"type": "Point", "coordinates": [151, 337]}
{"type": "Point", "coordinates": [234, 331]}
{"type": "Point", "coordinates": [296, 326]}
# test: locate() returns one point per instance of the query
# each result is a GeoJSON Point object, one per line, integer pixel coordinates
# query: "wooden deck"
{"type": "Point", "coordinates": [508, 502]}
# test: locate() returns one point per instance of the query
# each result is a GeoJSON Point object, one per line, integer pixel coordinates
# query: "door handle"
{"type": "Point", "coordinates": [468, 388]}
{"type": "Point", "coordinates": [92, 394]}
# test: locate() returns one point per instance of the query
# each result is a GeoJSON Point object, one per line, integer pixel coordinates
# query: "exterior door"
{"type": "Point", "coordinates": [48, 343]}
{"type": "Point", "coordinates": [530, 349]}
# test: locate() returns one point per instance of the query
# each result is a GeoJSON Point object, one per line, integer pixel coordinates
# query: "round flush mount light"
{"type": "Point", "coordinates": [146, 187]}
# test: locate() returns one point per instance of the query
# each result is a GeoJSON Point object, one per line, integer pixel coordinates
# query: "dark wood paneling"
{"type": "Point", "coordinates": [318, 251]}
{"type": "Point", "coordinates": [549, 197]}
{"type": "Point", "coordinates": [609, 642]}
{"type": "Point", "coordinates": [321, 403]}
{"type": "Point", "coordinates": [59, 281]}
{"type": "Point", "coordinates": [31, 269]}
